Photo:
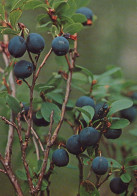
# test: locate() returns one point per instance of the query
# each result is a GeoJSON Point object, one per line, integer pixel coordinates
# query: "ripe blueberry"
{"type": "Point", "coordinates": [113, 133]}
{"type": "Point", "coordinates": [89, 136]}
{"type": "Point", "coordinates": [129, 113]}
{"type": "Point", "coordinates": [17, 46]}
{"type": "Point", "coordinates": [86, 12]}
{"type": "Point", "coordinates": [74, 146]}
{"type": "Point", "coordinates": [100, 165]}
{"type": "Point", "coordinates": [117, 186]}
{"type": "Point", "coordinates": [84, 101]}
{"type": "Point", "coordinates": [60, 157]}
{"type": "Point", "coordinates": [39, 121]}
{"type": "Point", "coordinates": [60, 46]}
{"type": "Point", "coordinates": [23, 69]}
{"type": "Point", "coordinates": [35, 43]}
{"type": "Point", "coordinates": [100, 111]}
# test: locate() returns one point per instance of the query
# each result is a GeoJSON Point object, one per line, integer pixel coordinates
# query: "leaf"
{"type": "Point", "coordinates": [131, 158]}
{"type": "Point", "coordinates": [85, 70]}
{"type": "Point", "coordinates": [46, 110]}
{"type": "Point", "coordinates": [3, 94]}
{"type": "Point", "coordinates": [61, 8]}
{"type": "Point", "coordinates": [17, 3]}
{"type": "Point", "coordinates": [82, 3]}
{"type": "Point", "coordinates": [126, 178]}
{"type": "Point", "coordinates": [72, 7]}
{"type": "Point", "coordinates": [113, 163]}
{"type": "Point", "coordinates": [73, 28]}
{"type": "Point", "coordinates": [83, 111]}
{"type": "Point", "coordinates": [31, 4]}
{"type": "Point", "coordinates": [44, 185]}
{"type": "Point", "coordinates": [132, 167]}
{"type": "Point", "coordinates": [13, 103]}
{"type": "Point", "coordinates": [79, 18]}
{"type": "Point", "coordinates": [108, 73]}
{"type": "Point", "coordinates": [120, 105]}
{"type": "Point", "coordinates": [43, 87]}
{"type": "Point", "coordinates": [79, 78]}
{"type": "Point", "coordinates": [86, 159]}
{"type": "Point", "coordinates": [90, 110]}
{"type": "Point", "coordinates": [14, 16]}
{"type": "Point", "coordinates": [21, 174]}
{"type": "Point", "coordinates": [9, 31]}
{"type": "Point", "coordinates": [87, 188]}
{"type": "Point", "coordinates": [2, 12]}
{"type": "Point", "coordinates": [120, 123]}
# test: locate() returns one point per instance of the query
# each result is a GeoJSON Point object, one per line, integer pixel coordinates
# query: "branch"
{"type": "Point", "coordinates": [46, 154]}
{"type": "Point", "coordinates": [80, 172]}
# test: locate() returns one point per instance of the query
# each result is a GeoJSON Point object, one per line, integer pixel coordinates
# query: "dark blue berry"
{"type": "Point", "coordinates": [100, 165]}
{"type": "Point", "coordinates": [89, 136]}
{"type": "Point", "coordinates": [74, 146]}
{"type": "Point", "coordinates": [60, 157]}
{"type": "Point", "coordinates": [101, 110]}
{"type": "Point", "coordinates": [113, 133]}
{"type": "Point", "coordinates": [35, 43]}
{"type": "Point", "coordinates": [60, 46]}
{"type": "Point", "coordinates": [129, 113]}
{"type": "Point", "coordinates": [85, 101]}
{"type": "Point", "coordinates": [117, 186]}
{"type": "Point", "coordinates": [17, 46]}
{"type": "Point", "coordinates": [23, 69]}
{"type": "Point", "coordinates": [85, 11]}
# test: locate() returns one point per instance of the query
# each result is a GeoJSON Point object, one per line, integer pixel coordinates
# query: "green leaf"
{"type": "Point", "coordinates": [46, 110]}
{"type": "Point", "coordinates": [126, 178]}
{"type": "Point", "coordinates": [31, 4]}
{"type": "Point", "coordinates": [44, 185]}
{"type": "Point", "coordinates": [85, 158]}
{"type": "Point", "coordinates": [79, 78]}
{"type": "Point", "coordinates": [2, 12]}
{"type": "Point", "coordinates": [43, 87]}
{"type": "Point", "coordinates": [131, 158]}
{"type": "Point", "coordinates": [61, 8]}
{"type": "Point", "coordinates": [13, 103]}
{"type": "Point", "coordinates": [9, 31]}
{"type": "Point", "coordinates": [85, 70]}
{"type": "Point", "coordinates": [21, 174]}
{"type": "Point", "coordinates": [17, 3]}
{"type": "Point", "coordinates": [113, 163]}
{"type": "Point", "coordinates": [91, 112]}
{"type": "Point", "coordinates": [108, 73]}
{"type": "Point", "coordinates": [87, 188]}
{"type": "Point", "coordinates": [83, 111]}
{"type": "Point", "coordinates": [72, 7]}
{"type": "Point", "coordinates": [3, 94]}
{"type": "Point", "coordinates": [82, 3]}
{"type": "Point", "coordinates": [132, 167]}
{"type": "Point", "coordinates": [79, 18]}
{"type": "Point", "coordinates": [73, 28]}
{"type": "Point", "coordinates": [120, 123]}
{"type": "Point", "coordinates": [14, 16]}
{"type": "Point", "coordinates": [120, 105]}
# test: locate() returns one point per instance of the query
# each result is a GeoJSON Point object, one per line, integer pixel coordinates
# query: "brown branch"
{"type": "Point", "coordinates": [80, 172]}
{"type": "Point", "coordinates": [106, 178]}
{"type": "Point", "coordinates": [46, 154]}
{"type": "Point", "coordinates": [3, 171]}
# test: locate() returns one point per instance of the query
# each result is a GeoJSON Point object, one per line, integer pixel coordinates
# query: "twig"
{"type": "Point", "coordinates": [46, 154]}
{"type": "Point", "coordinates": [36, 147]}
{"type": "Point", "coordinates": [80, 172]}
{"type": "Point", "coordinates": [3, 171]}
{"type": "Point", "coordinates": [106, 178]}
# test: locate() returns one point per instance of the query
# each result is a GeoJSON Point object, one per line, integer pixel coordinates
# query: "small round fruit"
{"type": "Point", "coordinates": [60, 46]}
{"type": "Point", "coordinates": [74, 146]}
{"type": "Point", "coordinates": [35, 43]}
{"type": "Point", "coordinates": [100, 165]}
{"type": "Point", "coordinates": [60, 157]}
{"type": "Point", "coordinates": [117, 186]}
{"type": "Point", "coordinates": [86, 12]}
{"type": "Point", "coordinates": [84, 101]}
{"type": "Point", "coordinates": [89, 136]}
{"type": "Point", "coordinates": [129, 113]}
{"type": "Point", "coordinates": [100, 110]}
{"type": "Point", "coordinates": [39, 121]}
{"type": "Point", "coordinates": [113, 133]}
{"type": "Point", "coordinates": [23, 69]}
{"type": "Point", "coordinates": [17, 46]}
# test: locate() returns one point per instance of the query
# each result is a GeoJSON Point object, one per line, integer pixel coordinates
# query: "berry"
{"type": "Point", "coordinates": [100, 165]}
{"type": "Point", "coordinates": [74, 146]}
{"type": "Point", "coordinates": [23, 69]}
{"type": "Point", "coordinates": [60, 157]}
{"type": "Point", "coordinates": [86, 12]}
{"type": "Point", "coordinates": [35, 43]}
{"type": "Point", "coordinates": [113, 133]}
{"type": "Point", "coordinates": [84, 101]}
{"type": "Point", "coordinates": [89, 136]}
{"type": "Point", "coordinates": [100, 111]}
{"type": "Point", "coordinates": [117, 186]}
{"type": "Point", "coordinates": [17, 46]}
{"type": "Point", "coordinates": [129, 113]}
{"type": "Point", "coordinates": [60, 46]}
{"type": "Point", "coordinates": [39, 121]}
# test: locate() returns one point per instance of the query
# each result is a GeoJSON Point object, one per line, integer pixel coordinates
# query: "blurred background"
{"type": "Point", "coordinates": [111, 40]}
